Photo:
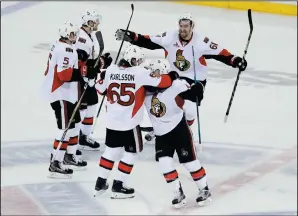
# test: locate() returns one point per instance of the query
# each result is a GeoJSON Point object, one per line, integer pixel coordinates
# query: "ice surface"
{"type": "Point", "coordinates": [251, 161]}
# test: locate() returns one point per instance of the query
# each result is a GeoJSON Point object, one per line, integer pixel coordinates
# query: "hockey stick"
{"type": "Point", "coordinates": [239, 72]}
{"type": "Point", "coordinates": [99, 38]}
{"type": "Point", "coordinates": [103, 98]}
{"type": "Point", "coordinates": [101, 47]}
{"type": "Point", "coordinates": [73, 115]}
{"type": "Point", "coordinates": [197, 102]}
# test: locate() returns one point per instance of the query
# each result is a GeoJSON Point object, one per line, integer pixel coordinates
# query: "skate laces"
{"type": "Point", "coordinates": [89, 139]}
{"type": "Point", "coordinates": [204, 193]}
{"type": "Point", "coordinates": [76, 159]}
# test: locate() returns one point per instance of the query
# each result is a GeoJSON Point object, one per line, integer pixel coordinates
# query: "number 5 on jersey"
{"type": "Point", "coordinates": [120, 91]}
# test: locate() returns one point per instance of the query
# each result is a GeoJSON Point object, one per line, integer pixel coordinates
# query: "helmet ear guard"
{"type": "Point", "coordinates": [68, 30]}
{"type": "Point", "coordinates": [91, 15]}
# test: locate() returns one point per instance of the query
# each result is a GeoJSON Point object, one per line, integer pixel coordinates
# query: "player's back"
{"type": "Point", "coordinates": [125, 96]}
{"type": "Point", "coordinates": [165, 107]}
{"type": "Point", "coordinates": [61, 58]}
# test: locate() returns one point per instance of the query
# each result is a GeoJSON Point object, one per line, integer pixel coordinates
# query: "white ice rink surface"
{"type": "Point", "coordinates": [251, 161]}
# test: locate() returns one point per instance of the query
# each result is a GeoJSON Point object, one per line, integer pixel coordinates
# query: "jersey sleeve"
{"type": "Point", "coordinates": [147, 78]}
{"type": "Point", "coordinates": [211, 48]}
{"type": "Point", "coordinates": [161, 39]}
{"type": "Point", "coordinates": [179, 86]}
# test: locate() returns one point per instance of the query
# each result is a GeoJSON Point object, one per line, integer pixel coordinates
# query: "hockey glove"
{"type": "Point", "coordinates": [173, 75]}
{"type": "Point", "coordinates": [128, 37]}
{"type": "Point", "coordinates": [198, 91]}
{"type": "Point", "coordinates": [238, 62]}
{"type": "Point", "coordinates": [105, 61]}
{"type": "Point", "coordinates": [82, 55]}
{"type": "Point", "coordinates": [91, 72]}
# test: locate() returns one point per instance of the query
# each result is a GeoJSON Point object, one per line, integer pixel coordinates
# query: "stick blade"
{"type": "Point", "coordinates": [132, 6]}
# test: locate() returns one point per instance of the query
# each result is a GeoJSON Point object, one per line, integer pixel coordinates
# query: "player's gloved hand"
{"type": "Point", "coordinates": [174, 75]}
{"type": "Point", "coordinates": [90, 72]}
{"type": "Point", "coordinates": [105, 61]}
{"type": "Point", "coordinates": [197, 90]}
{"type": "Point", "coordinates": [102, 74]}
{"type": "Point", "coordinates": [82, 55]}
{"type": "Point", "coordinates": [120, 35]}
{"type": "Point", "coordinates": [238, 62]}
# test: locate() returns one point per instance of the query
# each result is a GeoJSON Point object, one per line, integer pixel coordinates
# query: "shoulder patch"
{"type": "Point", "coordinates": [206, 40]}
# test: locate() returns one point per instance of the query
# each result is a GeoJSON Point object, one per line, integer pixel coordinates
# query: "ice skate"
{"type": "Point", "coordinates": [87, 143]}
{"type": "Point", "coordinates": [101, 186]}
{"type": "Point", "coordinates": [204, 197]}
{"type": "Point", "coordinates": [119, 191]}
{"type": "Point", "coordinates": [72, 160]}
{"type": "Point", "coordinates": [56, 170]}
{"type": "Point", "coordinates": [179, 199]}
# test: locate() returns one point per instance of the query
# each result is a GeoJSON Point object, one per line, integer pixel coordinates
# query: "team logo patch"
{"type": "Point", "coordinates": [184, 153]}
{"type": "Point", "coordinates": [181, 62]}
{"type": "Point", "coordinates": [158, 108]}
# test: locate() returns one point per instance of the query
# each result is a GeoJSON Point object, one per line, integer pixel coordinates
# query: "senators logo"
{"type": "Point", "coordinates": [181, 62]}
{"type": "Point", "coordinates": [158, 108]}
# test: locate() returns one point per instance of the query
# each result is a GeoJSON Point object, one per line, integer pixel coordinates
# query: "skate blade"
{"type": "Point", "coordinates": [98, 193]}
{"type": "Point", "coordinates": [122, 196]}
{"type": "Point", "coordinates": [205, 202]}
{"type": "Point", "coordinates": [87, 148]}
{"type": "Point", "coordinates": [76, 168]}
{"type": "Point", "coordinates": [55, 175]}
{"type": "Point", "coordinates": [181, 204]}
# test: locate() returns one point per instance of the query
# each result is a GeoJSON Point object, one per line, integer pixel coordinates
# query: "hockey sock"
{"type": "Point", "coordinates": [87, 122]}
{"type": "Point", "coordinates": [107, 161]}
{"type": "Point", "coordinates": [197, 172]}
{"type": "Point", "coordinates": [61, 151]}
{"type": "Point", "coordinates": [125, 166]}
{"type": "Point", "coordinates": [73, 140]}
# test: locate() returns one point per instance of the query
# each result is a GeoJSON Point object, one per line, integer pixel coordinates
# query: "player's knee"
{"type": "Point", "coordinates": [189, 110]}
{"type": "Point", "coordinates": [166, 164]}
{"type": "Point", "coordinates": [112, 154]}
{"type": "Point", "coordinates": [91, 110]}
{"type": "Point", "coordinates": [60, 133]}
{"type": "Point", "coordinates": [129, 158]}
{"type": "Point", "coordinates": [73, 132]}
{"type": "Point", "coordinates": [192, 165]}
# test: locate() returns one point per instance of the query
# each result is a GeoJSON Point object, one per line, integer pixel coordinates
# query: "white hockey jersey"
{"type": "Point", "coordinates": [165, 108]}
{"type": "Point", "coordinates": [180, 54]}
{"type": "Point", "coordinates": [56, 86]}
{"type": "Point", "coordinates": [85, 42]}
{"type": "Point", "coordinates": [126, 94]}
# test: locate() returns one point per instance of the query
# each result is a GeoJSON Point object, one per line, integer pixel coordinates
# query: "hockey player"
{"type": "Point", "coordinates": [178, 46]}
{"type": "Point", "coordinates": [124, 87]}
{"type": "Point", "coordinates": [85, 48]}
{"type": "Point", "coordinates": [60, 88]}
{"type": "Point", "coordinates": [165, 110]}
